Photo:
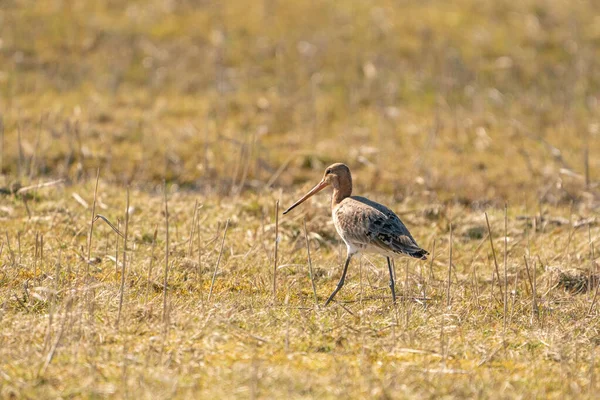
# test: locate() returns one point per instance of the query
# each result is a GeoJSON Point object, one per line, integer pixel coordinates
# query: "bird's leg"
{"type": "Point", "coordinates": [341, 282]}
{"type": "Point", "coordinates": [392, 284]}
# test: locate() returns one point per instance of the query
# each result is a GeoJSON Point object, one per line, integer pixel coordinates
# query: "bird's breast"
{"type": "Point", "coordinates": [350, 222]}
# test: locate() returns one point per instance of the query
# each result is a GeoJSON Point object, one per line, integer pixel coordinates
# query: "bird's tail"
{"type": "Point", "coordinates": [421, 254]}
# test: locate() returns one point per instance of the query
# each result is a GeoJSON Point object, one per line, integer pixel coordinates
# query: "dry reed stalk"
{"type": "Point", "coordinates": [52, 304]}
{"type": "Point", "coordinates": [567, 257]}
{"type": "Point", "coordinates": [191, 240]}
{"type": "Point", "coordinates": [117, 249]}
{"type": "Point", "coordinates": [505, 298]}
{"type": "Point", "coordinates": [199, 268]}
{"type": "Point", "coordinates": [514, 298]}
{"type": "Point", "coordinates": [537, 310]}
{"type": "Point", "coordinates": [449, 270]}
{"type": "Point", "coordinates": [597, 287]}
{"type": "Point", "coordinates": [532, 284]}
{"type": "Point", "coordinates": [91, 231]}
{"type": "Point", "coordinates": [35, 256]}
{"type": "Point", "coordinates": [166, 274]}
{"type": "Point", "coordinates": [493, 253]}
{"type": "Point", "coordinates": [123, 263]}
{"type": "Point", "coordinates": [212, 283]}
{"type": "Point", "coordinates": [275, 256]}
{"type": "Point", "coordinates": [310, 268]}
{"type": "Point", "coordinates": [591, 270]}
{"type": "Point", "coordinates": [406, 292]}
{"type": "Point", "coordinates": [475, 287]}
{"type": "Point", "coordinates": [148, 284]}
{"type": "Point", "coordinates": [19, 246]}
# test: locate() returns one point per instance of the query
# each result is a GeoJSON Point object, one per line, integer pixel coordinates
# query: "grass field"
{"type": "Point", "coordinates": [444, 111]}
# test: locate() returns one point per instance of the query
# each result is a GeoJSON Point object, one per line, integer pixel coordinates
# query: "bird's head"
{"type": "Point", "coordinates": [336, 175]}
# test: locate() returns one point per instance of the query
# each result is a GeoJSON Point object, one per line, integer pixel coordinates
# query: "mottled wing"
{"type": "Point", "coordinates": [375, 225]}
{"type": "Point", "coordinates": [399, 244]}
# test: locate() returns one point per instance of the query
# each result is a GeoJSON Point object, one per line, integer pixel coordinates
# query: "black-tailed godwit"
{"type": "Point", "coordinates": [364, 225]}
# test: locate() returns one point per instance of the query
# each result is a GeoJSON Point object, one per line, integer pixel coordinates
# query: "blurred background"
{"type": "Point", "coordinates": [470, 101]}
{"type": "Point", "coordinates": [442, 110]}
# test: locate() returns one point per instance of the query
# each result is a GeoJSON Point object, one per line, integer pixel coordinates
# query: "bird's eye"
{"type": "Point", "coordinates": [328, 171]}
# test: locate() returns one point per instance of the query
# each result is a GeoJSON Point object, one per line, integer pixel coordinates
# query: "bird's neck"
{"type": "Point", "coordinates": [342, 190]}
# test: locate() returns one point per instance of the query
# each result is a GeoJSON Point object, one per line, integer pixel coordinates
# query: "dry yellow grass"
{"type": "Point", "coordinates": [443, 111]}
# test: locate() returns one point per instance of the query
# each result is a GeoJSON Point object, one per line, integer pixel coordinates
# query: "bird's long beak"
{"type": "Point", "coordinates": [320, 186]}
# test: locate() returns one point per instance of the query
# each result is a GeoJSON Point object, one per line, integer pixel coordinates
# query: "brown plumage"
{"type": "Point", "coordinates": [364, 225]}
